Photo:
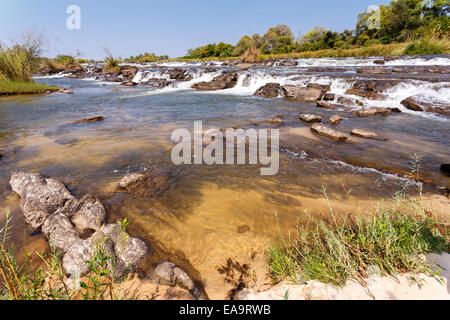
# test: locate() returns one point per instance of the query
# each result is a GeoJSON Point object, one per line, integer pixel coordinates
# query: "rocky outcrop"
{"type": "Point", "coordinates": [302, 94]}
{"type": "Point", "coordinates": [364, 134]}
{"type": "Point", "coordinates": [310, 118]}
{"type": "Point", "coordinates": [180, 75]}
{"type": "Point", "coordinates": [414, 105]}
{"type": "Point", "coordinates": [49, 206]}
{"type": "Point", "coordinates": [224, 81]}
{"type": "Point", "coordinates": [334, 120]}
{"type": "Point", "coordinates": [324, 131]}
{"type": "Point", "coordinates": [372, 111]}
{"type": "Point", "coordinates": [270, 90]}
{"type": "Point", "coordinates": [39, 197]}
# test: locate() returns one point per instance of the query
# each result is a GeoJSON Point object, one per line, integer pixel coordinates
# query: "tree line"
{"type": "Point", "coordinates": [400, 21]}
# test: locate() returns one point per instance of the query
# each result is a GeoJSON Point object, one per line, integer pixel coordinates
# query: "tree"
{"type": "Point", "coordinates": [223, 50]}
{"type": "Point", "coordinates": [278, 39]}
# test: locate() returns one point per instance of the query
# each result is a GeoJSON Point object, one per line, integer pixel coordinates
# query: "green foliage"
{"type": "Point", "coordinates": [8, 87]}
{"type": "Point", "coordinates": [279, 39]}
{"type": "Point", "coordinates": [424, 46]}
{"type": "Point", "coordinates": [401, 21]}
{"type": "Point", "coordinates": [390, 240]}
{"type": "Point", "coordinates": [146, 57]}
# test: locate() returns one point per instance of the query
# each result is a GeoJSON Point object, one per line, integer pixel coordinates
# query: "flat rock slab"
{"type": "Point", "coordinates": [310, 118]}
{"type": "Point", "coordinates": [364, 134]}
{"type": "Point", "coordinates": [302, 94]}
{"type": "Point", "coordinates": [329, 133]}
{"type": "Point", "coordinates": [372, 111]}
{"type": "Point", "coordinates": [331, 106]}
{"type": "Point", "coordinates": [90, 120]}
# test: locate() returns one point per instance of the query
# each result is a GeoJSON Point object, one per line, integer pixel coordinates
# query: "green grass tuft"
{"type": "Point", "coordinates": [390, 240]}
{"type": "Point", "coordinates": [8, 87]}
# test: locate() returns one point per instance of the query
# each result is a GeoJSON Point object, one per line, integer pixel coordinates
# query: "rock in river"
{"type": "Point", "coordinates": [364, 134]}
{"type": "Point", "coordinates": [324, 131]}
{"type": "Point", "coordinates": [40, 197]}
{"type": "Point", "coordinates": [310, 118]}
{"type": "Point", "coordinates": [302, 94]}
{"type": "Point", "coordinates": [270, 90]}
{"type": "Point", "coordinates": [334, 120]}
{"type": "Point", "coordinates": [224, 81]}
{"type": "Point", "coordinates": [372, 111]}
{"type": "Point", "coordinates": [145, 183]}
{"type": "Point", "coordinates": [90, 120]}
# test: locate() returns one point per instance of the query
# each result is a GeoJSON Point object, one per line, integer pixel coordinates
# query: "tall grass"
{"type": "Point", "coordinates": [427, 46]}
{"type": "Point", "coordinates": [50, 283]}
{"type": "Point", "coordinates": [19, 60]}
{"type": "Point", "coordinates": [387, 241]}
{"type": "Point", "coordinates": [8, 87]}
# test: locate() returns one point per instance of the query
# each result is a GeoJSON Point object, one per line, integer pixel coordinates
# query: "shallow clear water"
{"type": "Point", "coordinates": [194, 222]}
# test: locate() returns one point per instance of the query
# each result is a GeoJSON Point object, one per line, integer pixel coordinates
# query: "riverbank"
{"type": "Point", "coordinates": [11, 88]}
{"type": "Point", "coordinates": [386, 50]}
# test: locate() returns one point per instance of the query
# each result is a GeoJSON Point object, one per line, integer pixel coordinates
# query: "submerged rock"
{"type": "Point", "coordinates": [310, 118]}
{"type": "Point", "coordinates": [302, 94]}
{"type": "Point", "coordinates": [270, 90]}
{"type": "Point", "coordinates": [331, 106]}
{"type": "Point", "coordinates": [145, 183]}
{"type": "Point", "coordinates": [276, 121]}
{"type": "Point", "coordinates": [65, 91]}
{"type": "Point", "coordinates": [324, 131]}
{"type": "Point", "coordinates": [90, 120]}
{"type": "Point", "coordinates": [348, 101]}
{"type": "Point", "coordinates": [374, 70]}
{"type": "Point", "coordinates": [364, 133]}
{"type": "Point", "coordinates": [129, 83]}
{"type": "Point", "coordinates": [372, 111]}
{"type": "Point", "coordinates": [379, 62]}
{"type": "Point", "coordinates": [174, 275]}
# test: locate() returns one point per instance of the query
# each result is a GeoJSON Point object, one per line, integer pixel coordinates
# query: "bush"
{"type": "Point", "coordinates": [19, 61]}
{"type": "Point", "coordinates": [424, 46]}
{"type": "Point", "coordinates": [251, 55]}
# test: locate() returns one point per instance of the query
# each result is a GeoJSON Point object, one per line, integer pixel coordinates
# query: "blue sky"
{"type": "Point", "coordinates": [167, 26]}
